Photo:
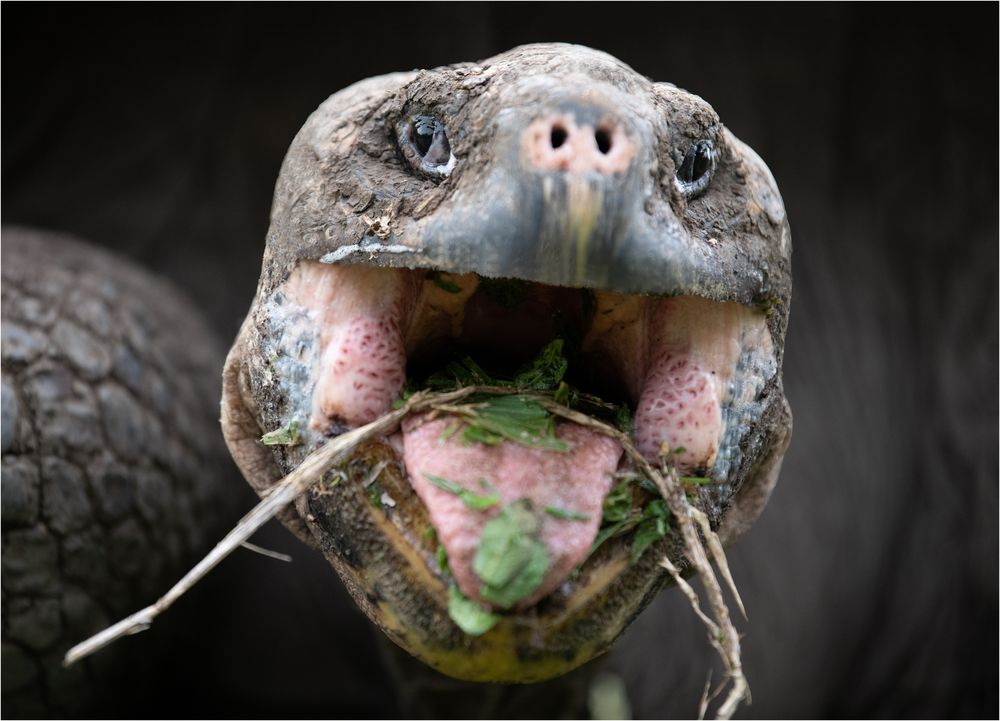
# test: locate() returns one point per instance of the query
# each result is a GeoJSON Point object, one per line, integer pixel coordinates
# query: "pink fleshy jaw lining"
{"type": "Point", "coordinates": [677, 357]}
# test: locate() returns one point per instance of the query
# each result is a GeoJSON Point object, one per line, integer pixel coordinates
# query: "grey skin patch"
{"type": "Point", "coordinates": [291, 348]}
{"type": "Point", "coordinates": [742, 406]}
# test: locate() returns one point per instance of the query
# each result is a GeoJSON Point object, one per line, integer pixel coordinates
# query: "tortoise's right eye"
{"type": "Point", "coordinates": [423, 140]}
{"type": "Point", "coordinates": [696, 169]}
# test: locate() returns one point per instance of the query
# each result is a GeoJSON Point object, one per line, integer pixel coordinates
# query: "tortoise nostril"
{"type": "Point", "coordinates": [586, 140]}
{"type": "Point", "coordinates": [603, 138]}
{"type": "Point", "coordinates": [558, 136]}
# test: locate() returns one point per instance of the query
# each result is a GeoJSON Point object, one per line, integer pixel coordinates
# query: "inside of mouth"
{"type": "Point", "coordinates": [359, 334]}
{"type": "Point", "coordinates": [507, 324]}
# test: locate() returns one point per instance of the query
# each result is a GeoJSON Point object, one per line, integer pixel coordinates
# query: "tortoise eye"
{"type": "Point", "coordinates": [423, 140]}
{"type": "Point", "coordinates": [695, 169]}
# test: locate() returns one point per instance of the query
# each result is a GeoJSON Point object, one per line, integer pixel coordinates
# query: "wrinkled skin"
{"type": "Point", "coordinates": [347, 195]}
{"type": "Point", "coordinates": [114, 479]}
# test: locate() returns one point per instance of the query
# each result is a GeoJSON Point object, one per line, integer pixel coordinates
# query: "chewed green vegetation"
{"type": "Point", "coordinates": [469, 615]}
{"type": "Point", "coordinates": [515, 418]}
{"type": "Point", "coordinates": [544, 373]}
{"type": "Point", "coordinates": [491, 419]}
{"type": "Point", "coordinates": [623, 513]}
{"type": "Point", "coordinates": [511, 560]}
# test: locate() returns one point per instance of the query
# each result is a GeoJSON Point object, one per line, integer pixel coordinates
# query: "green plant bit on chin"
{"type": "Point", "coordinates": [469, 615]}
{"type": "Point", "coordinates": [287, 436]}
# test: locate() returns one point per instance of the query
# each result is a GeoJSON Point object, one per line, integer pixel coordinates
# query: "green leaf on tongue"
{"type": "Point", "coordinates": [511, 559]}
{"type": "Point", "coordinates": [469, 615]}
{"type": "Point", "coordinates": [566, 515]}
{"type": "Point", "coordinates": [475, 501]}
{"type": "Point", "coordinates": [514, 418]}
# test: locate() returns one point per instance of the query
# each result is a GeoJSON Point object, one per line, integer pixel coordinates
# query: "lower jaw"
{"type": "Point", "coordinates": [379, 544]}
{"type": "Point", "coordinates": [384, 552]}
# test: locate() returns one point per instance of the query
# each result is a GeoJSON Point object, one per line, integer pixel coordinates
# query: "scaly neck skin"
{"type": "Point", "coordinates": [422, 692]}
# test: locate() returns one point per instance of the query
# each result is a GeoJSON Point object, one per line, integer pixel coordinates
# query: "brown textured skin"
{"type": "Point", "coordinates": [731, 243]}
{"type": "Point", "coordinates": [113, 473]}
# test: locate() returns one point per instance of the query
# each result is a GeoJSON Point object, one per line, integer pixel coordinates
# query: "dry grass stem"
{"type": "Point", "coordinates": [705, 700]}
{"type": "Point", "coordinates": [719, 556]}
{"type": "Point", "coordinates": [266, 552]}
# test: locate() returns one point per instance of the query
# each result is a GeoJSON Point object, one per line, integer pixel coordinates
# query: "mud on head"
{"type": "Point", "coordinates": [487, 209]}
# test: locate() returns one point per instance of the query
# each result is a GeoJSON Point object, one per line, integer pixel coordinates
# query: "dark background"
{"type": "Point", "coordinates": [870, 580]}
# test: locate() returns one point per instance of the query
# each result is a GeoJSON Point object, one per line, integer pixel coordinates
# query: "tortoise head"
{"type": "Point", "coordinates": [486, 210]}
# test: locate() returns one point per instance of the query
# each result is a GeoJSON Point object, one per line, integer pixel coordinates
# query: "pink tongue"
{"type": "Point", "coordinates": [575, 481]}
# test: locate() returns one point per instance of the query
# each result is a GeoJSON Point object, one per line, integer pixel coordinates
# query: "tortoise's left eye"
{"type": "Point", "coordinates": [695, 170]}
{"type": "Point", "coordinates": [423, 140]}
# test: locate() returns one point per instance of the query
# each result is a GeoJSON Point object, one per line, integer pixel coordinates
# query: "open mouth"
{"type": "Point", "coordinates": [687, 372]}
